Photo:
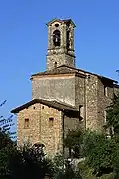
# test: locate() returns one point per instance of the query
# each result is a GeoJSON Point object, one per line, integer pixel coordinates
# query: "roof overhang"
{"type": "Point", "coordinates": [54, 104]}
{"type": "Point", "coordinates": [61, 21]}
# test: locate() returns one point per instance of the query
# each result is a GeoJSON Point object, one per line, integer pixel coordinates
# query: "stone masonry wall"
{"type": "Point", "coordinates": [71, 124]}
{"type": "Point", "coordinates": [60, 54]}
{"type": "Point", "coordinates": [90, 94]}
{"type": "Point", "coordinates": [116, 89]}
{"type": "Point", "coordinates": [104, 101]}
{"type": "Point", "coordinates": [60, 88]}
{"type": "Point", "coordinates": [79, 91]}
{"type": "Point", "coordinates": [80, 98]}
{"type": "Point", "coordinates": [91, 102]}
{"type": "Point", "coordinates": [51, 131]}
{"type": "Point", "coordinates": [86, 95]}
{"type": "Point", "coordinates": [55, 60]}
{"type": "Point", "coordinates": [62, 27]}
{"type": "Point", "coordinates": [41, 128]}
{"type": "Point", "coordinates": [32, 133]}
{"type": "Point", "coordinates": [96, 101]}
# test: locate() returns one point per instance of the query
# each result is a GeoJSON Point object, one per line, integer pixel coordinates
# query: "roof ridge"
{"type": "Point", "coordinates": [76, 70]}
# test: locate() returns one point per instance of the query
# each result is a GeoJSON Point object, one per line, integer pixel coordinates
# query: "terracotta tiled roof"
{"type": "Point", "coordinates": [53, 104]}
{"type": "Point", "coordinates": [60, 70]}
{"type": "Point", "coordinates": [64, 69]}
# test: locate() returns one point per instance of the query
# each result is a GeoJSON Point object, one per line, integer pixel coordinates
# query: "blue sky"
{"type": "Point", "coordinates": [23, 41]}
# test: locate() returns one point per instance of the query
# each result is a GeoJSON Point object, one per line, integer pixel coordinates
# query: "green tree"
{"type": "Point", "coordinates": [98, 152]}
{"type": "Point", "coordinates": [29, 162]}
{"type": "Point", "coordinates": [73, 142]}
{"type": "Point", "coordinates": [113, 116]}
{"type": "Point", "coordinates": [7, 124]}
{"type": "Point", "coordinates": [25, 162]}
{"type": "Point", "coordinates": [63, 169]}
{"type": "Point", "coordinates": [7, 147]}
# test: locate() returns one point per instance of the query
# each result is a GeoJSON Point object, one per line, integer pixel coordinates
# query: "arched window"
{"type": "Point", "coordinates": [56, 38]}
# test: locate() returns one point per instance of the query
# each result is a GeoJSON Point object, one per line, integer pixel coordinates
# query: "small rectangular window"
{"type": "Point", "coordinates": [26, 123]}
{"type": "Point", "coordinates": [51, 121]}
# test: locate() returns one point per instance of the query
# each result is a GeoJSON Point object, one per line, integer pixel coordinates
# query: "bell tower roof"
{"type": "Point", "coordinates": [66, 21]}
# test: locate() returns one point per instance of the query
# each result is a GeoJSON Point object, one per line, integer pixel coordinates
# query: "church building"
{"type": "Point", "coordinates": [63, 97]}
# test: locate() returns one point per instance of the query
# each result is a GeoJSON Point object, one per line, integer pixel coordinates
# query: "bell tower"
{"type": "Point", "coordinates": [60, 43]}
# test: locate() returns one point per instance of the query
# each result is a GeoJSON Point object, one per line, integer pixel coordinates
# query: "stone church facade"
{"type": "Point", "coordinates": [63, 97]}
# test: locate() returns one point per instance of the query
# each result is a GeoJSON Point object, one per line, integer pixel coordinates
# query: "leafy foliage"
{"type": "Point", "coordinates": [6, 125]}
{"type": "Point", "coordinates": [73, 141]}
{"type": "Point", "coordinates": [113, 115]}
{"type": "Point", "coordinates": [63, 169]}
{"type": "Point", "coordinates": [98, 151]}
{"type": "Point", "coordinates": [22, 163]}
{"type": "Point", "coordinates": [5, 141]}
{"type": "Point", "coordinates": [101, 153]}
{"type": "Point", "coordinates": [6, 149]}
{"type": "Point", "coordinates": [29, 163]}
{"type": "Point", "coordinates": [87, 172]}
